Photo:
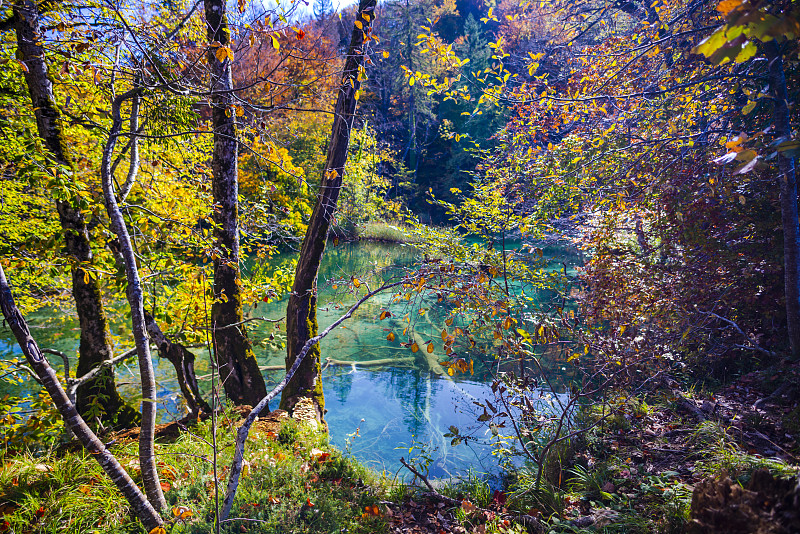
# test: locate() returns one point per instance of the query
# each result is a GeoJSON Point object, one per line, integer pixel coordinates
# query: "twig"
{"type": "Point", "coordinates": [752, 344]}
{"type": "Point", "coordinates": [61, 355]}
{"type": "Point", "coordinates": [250, 319]}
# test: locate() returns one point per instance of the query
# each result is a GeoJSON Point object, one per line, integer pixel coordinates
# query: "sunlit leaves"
{"type": "Point", "coordinates": [223, 53]}
{"type": "Point", "coordinates": [182, 512]}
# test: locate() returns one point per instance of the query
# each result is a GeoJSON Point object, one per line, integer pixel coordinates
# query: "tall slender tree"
{"type": "Point", "coordinates": [238, 368]}
{"type": "Point", "coordinates": [95, 342]}
{"type": "Point", "coordinates": [301, 312]}
{"type": "Point", "coordinates": [787, 180]}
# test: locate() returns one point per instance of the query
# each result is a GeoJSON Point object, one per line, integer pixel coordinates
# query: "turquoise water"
{"type": "Point", "coordinates": [374, 413]}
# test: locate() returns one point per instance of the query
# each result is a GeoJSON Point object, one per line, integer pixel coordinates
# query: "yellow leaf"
{"type": "Point", "coordinates": [444, 335]}
{"type": "Point", "coordinates": [356, 282]}
{"type": "Point", "coordinates": [430, 348]}
{"type": "Point", "coordinates": [86, 277]}
{"type": "Point", "coordinates": [383, 315]}
{"type": "Point", "coordinates": [449, 321]}
{"type": "Point", "coordinates": [359, 24]}
{"type": "Point", "coordinates": [158, 530]}
{"type": "Point", "coordinates": [386, 54]}
{"type": "Point", "coordinates": [390, 337]}
{"type": "Point", "coordinates": [450, 371]}
{"type": "Point", "coordinates": [223, 52]}
{"type": "Point", "coordinates": [414, 347]}
{"type": "Point", "coordinates": [365, 17]}
{"type": "Point", "coordinates": [275, 44]}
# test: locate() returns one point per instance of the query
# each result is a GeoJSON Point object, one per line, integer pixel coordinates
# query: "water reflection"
{"type": "Point", "coordinates": [403, 405]}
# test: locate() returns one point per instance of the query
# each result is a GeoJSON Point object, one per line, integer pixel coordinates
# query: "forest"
{"type": "Point", "coordinates": [399, 266]}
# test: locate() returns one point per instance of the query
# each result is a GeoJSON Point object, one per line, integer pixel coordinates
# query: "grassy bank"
{"type": "Point", "coordinates": [714, 460]}
{"type": "Point", "coordinates": [386, 232]}
{"type": "Point", "coordinates": [293, 482]}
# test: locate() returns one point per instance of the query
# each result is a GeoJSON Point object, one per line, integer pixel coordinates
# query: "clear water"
{"type": "Point", "coordinates": [374, 413]}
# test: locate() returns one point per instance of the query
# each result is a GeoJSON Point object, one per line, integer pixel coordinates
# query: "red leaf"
{"type": "Point", "coordinates": [499, 497]}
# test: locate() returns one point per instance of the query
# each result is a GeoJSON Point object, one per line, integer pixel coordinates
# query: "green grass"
{"type": "Point", "coordinates": [383, 231]}
{"type": "Point", "coordinates": [287, 487]}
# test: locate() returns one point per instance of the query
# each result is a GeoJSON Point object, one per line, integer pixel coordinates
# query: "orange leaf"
{"type": "Point", "coordinates": [182, 512]}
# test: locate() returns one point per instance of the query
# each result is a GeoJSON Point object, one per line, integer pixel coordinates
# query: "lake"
{"type": "Point", "coordinates": [375, 413]}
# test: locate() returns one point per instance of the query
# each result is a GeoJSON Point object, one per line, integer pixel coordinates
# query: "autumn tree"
{"type": "Point", "coordinates": [95, 344]}
{"type": "Point", "coordinates": [301, 311]}
{"type": "Point", "coordinates": [238, 367]}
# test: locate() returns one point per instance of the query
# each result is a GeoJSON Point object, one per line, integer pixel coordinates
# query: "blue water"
{"type": "Point", "coordinates": [374, 413]}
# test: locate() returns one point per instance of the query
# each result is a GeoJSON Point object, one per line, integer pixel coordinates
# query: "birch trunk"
{"type": "Point", "coordinates": [238, 368]}
{"type": "Point", "coordinates": [141, 507]}
{"type": "Point", "coordinates": [147, 459]}
{"type": "Point", "coordinates": [301, 312]}
{"type": "Point", "coordinates": [95, 343]}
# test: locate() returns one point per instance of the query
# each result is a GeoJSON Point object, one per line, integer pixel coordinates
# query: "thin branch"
{"type": "Point", "coordinates": [63, 357]}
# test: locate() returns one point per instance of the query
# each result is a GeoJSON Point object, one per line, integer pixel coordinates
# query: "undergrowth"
{"type": "Point", "coordinates": [292, 484]}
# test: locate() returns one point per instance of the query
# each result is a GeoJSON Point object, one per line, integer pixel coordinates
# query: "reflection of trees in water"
{"type": "Point", "coordinates": [349, 259]}
{"type": "Point", "coordinates": [414, 389]}
{"type": "Point", "coordinates": [340, 381]}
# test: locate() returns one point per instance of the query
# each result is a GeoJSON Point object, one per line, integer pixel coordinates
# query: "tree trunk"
{"type": "Point", "coordinates": [301, 312]}
{"type": "Point", "coordinates": [147, 459]}
{"type": "Point", "coordinates": [141, 507]}
{"type": "Point", "coordinates": [238, 368]}
{"type": "Point", "coordinates": [183, 360]}
{"type": "Point", "coordinates": [95, 344]}
{"type": "Point", "coordinates": [787, 179]}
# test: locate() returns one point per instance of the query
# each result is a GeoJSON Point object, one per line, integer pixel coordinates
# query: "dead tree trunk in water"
{"type": "Point", "coordinates": [238, 368]}
{"type": "Point", "coordinates": [301, 312]}
{"type": "Point", "coordinates": [95, 344]}
{"type": "Point", "coordinates": [183, 360]}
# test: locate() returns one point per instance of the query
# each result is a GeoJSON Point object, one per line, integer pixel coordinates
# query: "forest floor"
{"type": "Point", "coordinates": [701, 461]}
